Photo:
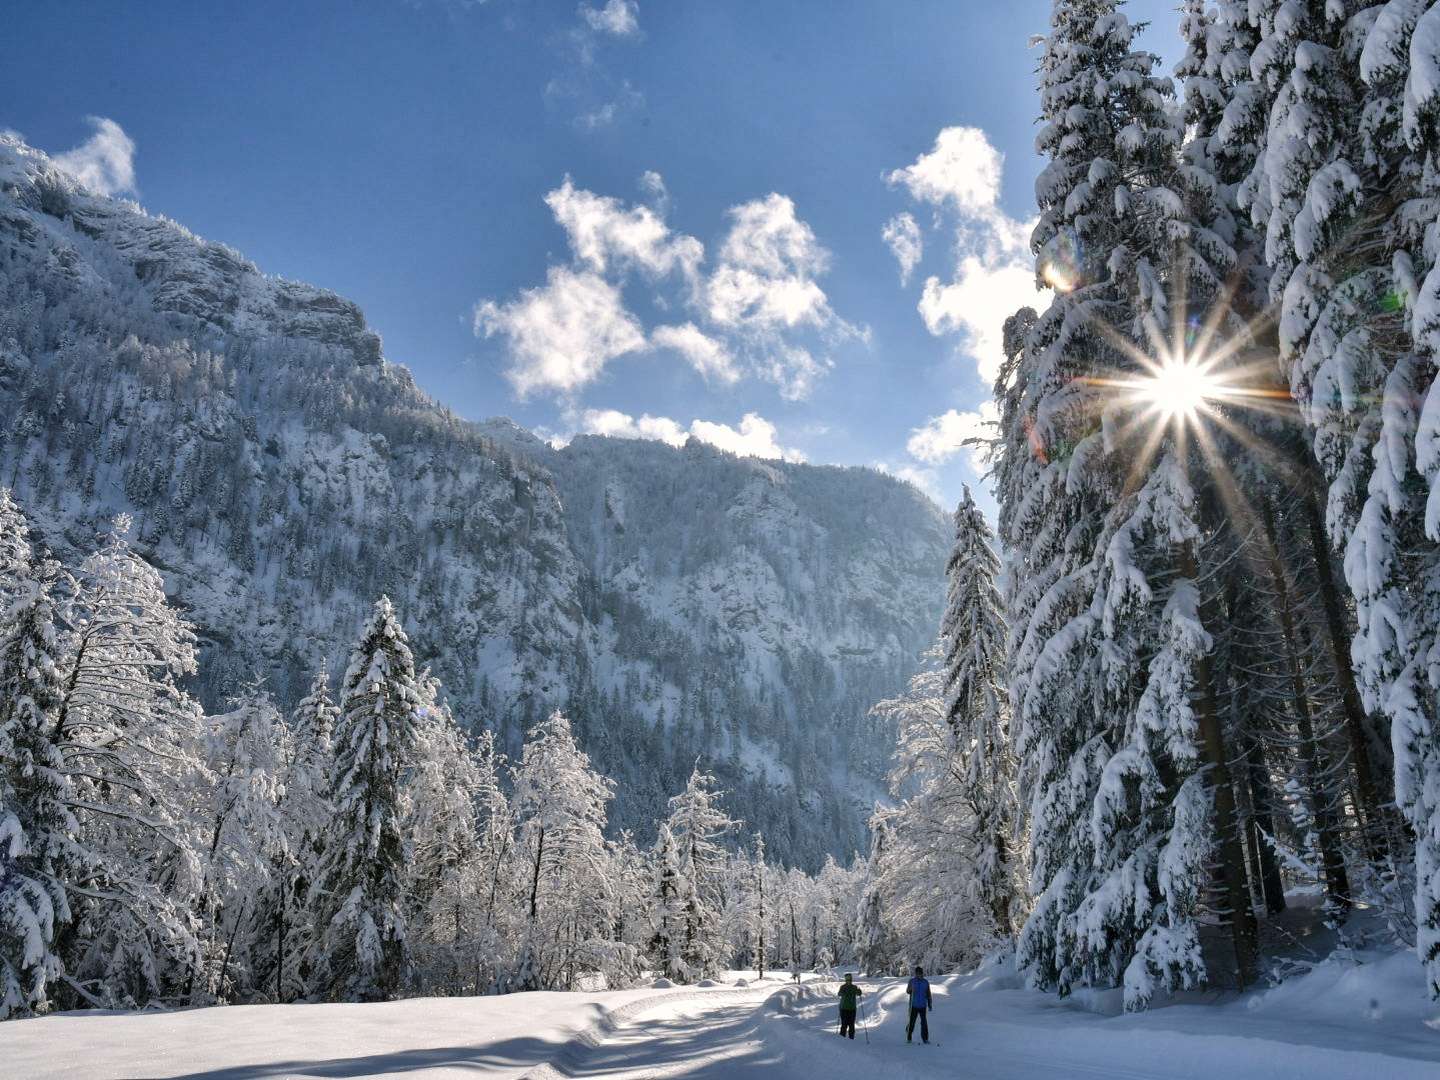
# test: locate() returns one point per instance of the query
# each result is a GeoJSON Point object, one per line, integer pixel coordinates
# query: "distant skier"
{"type": "Point", "coordinates": [919, 990]}
{"type": "Point", "coordinates": [849, 1004]}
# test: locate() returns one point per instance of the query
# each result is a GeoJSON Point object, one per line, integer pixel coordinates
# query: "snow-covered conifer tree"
{"type": "Point", "coordinates": [37, 828]}
{"type": "Point", "coordinates": [669, 903]}
{"type": "Point", "coordinates": [973, 636]}
{"type": "Point", "coordinates": [1109, 645]}
{"type": "Point", "coordinates": [1097, 156]}
{"type": "Point", "coordinates": [312, 725]}
{"type": "Point", "coordinates": [874, 945]}
{"type": "Point", "coordinates": [1054, 498]}
{"type": "Point", "coordinates": [363, 949]}
{"type": "Point", "coordinates": [1352, 238]}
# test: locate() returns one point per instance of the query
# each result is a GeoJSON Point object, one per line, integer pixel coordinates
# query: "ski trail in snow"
{"type": "Point", "coordinates": [784, 1031]}
{"type": "Point", "coordinates": [789, 1032]}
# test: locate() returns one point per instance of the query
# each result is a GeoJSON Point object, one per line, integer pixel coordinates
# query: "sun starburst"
{"type": "Point", "coordinates": [1179, 387]}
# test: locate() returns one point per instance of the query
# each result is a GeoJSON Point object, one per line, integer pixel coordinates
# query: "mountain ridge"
{"type": "Point", "coordinates": [682, 603]}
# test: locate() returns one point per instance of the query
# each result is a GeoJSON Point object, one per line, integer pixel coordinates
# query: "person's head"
{"type": "Point", "coordinates": [919, 973]}
{"type": "Point", "coordinates": [849, 978]}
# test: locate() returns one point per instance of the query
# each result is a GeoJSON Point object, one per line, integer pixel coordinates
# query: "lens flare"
{"type": "Point", "coordinates": [1179, 388]}
{"type": "Point", "coordinates": [1060, 261]}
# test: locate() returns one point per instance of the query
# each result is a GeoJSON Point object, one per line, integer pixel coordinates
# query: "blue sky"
{"type": "Point", "coordinates": [648, 217]}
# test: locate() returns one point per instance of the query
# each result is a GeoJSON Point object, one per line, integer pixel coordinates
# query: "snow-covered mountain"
{"type": "Point", "coordinates": [680, 603]}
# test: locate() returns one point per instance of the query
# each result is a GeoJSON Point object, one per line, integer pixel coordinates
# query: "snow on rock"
{"type": "Point", "coordinates": [679, 602]}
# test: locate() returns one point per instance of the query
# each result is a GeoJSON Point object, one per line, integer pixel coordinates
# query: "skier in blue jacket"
{"type": "Point", "coordinates": [919, 990]}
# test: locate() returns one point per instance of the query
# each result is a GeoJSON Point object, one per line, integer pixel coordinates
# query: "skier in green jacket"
{"type": "Point", "coordinates": [849, 1004]}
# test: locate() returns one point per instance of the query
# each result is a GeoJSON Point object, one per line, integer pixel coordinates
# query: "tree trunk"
{"type": "Point", "coordinates": [1332, 860]}
{"type": "Point", "coordinates": [280, 944]}
{"type": "Point", "coordinates": [1262, 801]}
{"type": "Point", "coordinates": [1228, 845]}
{"type": "Point", "coordinates": [1373, 814]}
{"type": "Point", "coordinates": [1000, 902]}
{"type": "Point", "coordinates": [535, 877]}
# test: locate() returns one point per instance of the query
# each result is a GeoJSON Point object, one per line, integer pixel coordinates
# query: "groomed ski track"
{"type": "Point", "coordinates": [790, 1032]}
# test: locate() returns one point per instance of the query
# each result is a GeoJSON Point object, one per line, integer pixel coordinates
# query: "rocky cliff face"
{"type": "Point", "coordinates": [682, 604]}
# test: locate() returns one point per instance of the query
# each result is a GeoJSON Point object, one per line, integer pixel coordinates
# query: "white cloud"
{"type": "Point", "coordinates": [105, 162]}
{"type": "Point", "coordinates": [794, 370]}
{"type": "Point", "coordinates": [705, 354]}
{"type": "Point", "coordinates": [768, 263]}
{"type": "Point", "coordinates": [963, 168]}
{"type": "Point", "coordinates": [976, 305]}
{"type": "Point", "coordinates": [621, 425]}
{"type": "Point", "coordinates": [924, 479]}
{"type": "Point", "coordinates": [942, 437]}
{"type": "Point", "coordinates": [656, 193]}
{"type": "Point", "coordinates": [562, 333]}
{"type": "Point", "coordinates": [902, 234]}
{"type": "Point", "coordinates": [760, 311]}
{"type": "Point", "coordinates": [618, 17]}
{"type": "Point", "coordinates": [603, 234]}
{"type": "Point", "coordinates": [763, 290]}
{"type": "Point", "coordinates": [585, 82]}
{"type": "Point", "coordinates": [994, 270]}
{"type": "Point", "coordinates": [754, 437]}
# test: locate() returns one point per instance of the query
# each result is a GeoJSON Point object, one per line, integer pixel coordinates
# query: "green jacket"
{"type": "Point", "coordinates": [849, 997]}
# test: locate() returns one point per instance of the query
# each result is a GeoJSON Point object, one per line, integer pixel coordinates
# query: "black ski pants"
{"type": "Point", "coordinates": [847, 1022]}
{"type": "Point", "coordinates": [924, 1024]}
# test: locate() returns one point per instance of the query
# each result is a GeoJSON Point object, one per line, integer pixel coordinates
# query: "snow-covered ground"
{"type": "Point", "coordinates": [1340, 1022]}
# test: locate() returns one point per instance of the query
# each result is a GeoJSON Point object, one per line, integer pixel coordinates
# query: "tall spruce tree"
{"type": "Point", "coordinates": [973, 636]}
{"type": "Point", "coordinates": [363, 948]}
{"type": "Point", "coordinates": [669, 904]}
{"type": "Point", "coordinates": [1123, 754]}
{"type": "Point", "coordinates": [1056, 494]}
{"type": "Point", "coordinates": [37, 828]}
{"type": "Point", "coordinates": [1349, 170]}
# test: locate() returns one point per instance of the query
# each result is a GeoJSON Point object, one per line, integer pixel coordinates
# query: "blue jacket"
{"type": "Point", "coordinates": [919, 991]}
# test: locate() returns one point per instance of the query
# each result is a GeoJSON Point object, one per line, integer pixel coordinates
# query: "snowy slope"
{"type": "Point", "coordinates": [681, 603]}
{"type": "Point", "coordinates": [1338, 1023]}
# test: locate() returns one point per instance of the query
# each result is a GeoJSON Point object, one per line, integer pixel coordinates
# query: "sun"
{"type": "Point", "coordinates": [1179, 387]}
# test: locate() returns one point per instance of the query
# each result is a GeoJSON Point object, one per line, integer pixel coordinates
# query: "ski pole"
{"type": "Point", "coordinates": [865, 1026]}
